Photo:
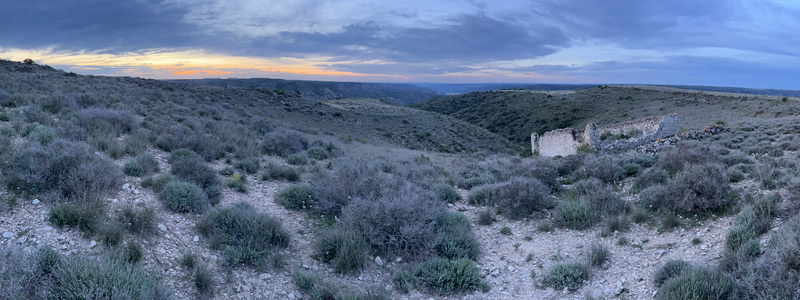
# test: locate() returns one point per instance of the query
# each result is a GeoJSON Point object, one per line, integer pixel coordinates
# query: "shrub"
{"type": "Point", "coordinates": [598, 255]}
{"type": "Point", "coordinates": [457, 240]}
{"type": "Point", "coordinates": [448, 276]}
{"type": "Point", "coordinates": [131, 252]}
{"type": "Point", "coordinates": [70, 170]}
{"type": "Point", "coordinates": [446, 193]}
{"type": "Point", "coordinates": [343, 247]}
{"type": "Point", "coordinates": [204, 281]}
{"type": "Point", "coordinates": [699, 283]}
{"type": "Point", "coordinates": [276, 172]}
{"type": "Point", "coordinates": [140, 221]}
{"type": "Point", "coordinates": [188, 166]}
{"type": "Point", "coordinates": [349, 180]}
{"type": "Point", "coordinates": [141, 165]}
{"type": "Point", "coordinates": [617, 223]}
{"type": "Point", "coordinates": [317, 153]}
{"type": "Point", "coordinates": [521, 197]}
{"type": "Point", "coordinates": [484, 195]}
{"type": "Point", "coordinates": [296, 159]}
{"type": "Point", "coordinates": [604, 168]}
{"type": "Point", "coordinates": [650, 178]}
{"type": "Point", "coordinates": [237, 181]}
{"type": "Point", "coordinates": [158, 183]}
{"type": "Point", "coordinates": [734, 175]}
{"type": "Point", "coordinates": [183, 197]}
{"type": "Point", "coordinates": [404, 281]}
{"type": "Point", "coordinates": [475, 178]}
{"type": "Point", "coordinates": [698, 189]}
{"type": "Point", "coordinates": [106, 278]}
{"type": "Point", "coordinates": [110, 234]}
{"type": "Point", "coordinates": [505, 230]}
{"type": "Point", "coordinates": [486, 217]}
{"type": "Point", "coordinates": [632, 170]}
{"type": "Point", "coordinates": [600, 197]}
{"type": "Point", "coordinates": [669, 270]}
{"type": "Point", "coordinates": [247, 236]}
{"type": "Point", "coordinates": [406, 224]}
{"type": "Point", "coordinates": [283, 143]}
{"type": "Point", "coordinates": [84, 215]}
{"type": "Point", "coordinates": [249, 165]}
{"type": "Point", "coordinates": [576, 214]}
{"type": "Point", "coordinates": [189, 260]}
{"type": "Point", "coordinates": [297, 197]}
{"type": "Point", "coordinates": [566, 275]}
{"type": "Point", "coordinates": [675, 159]}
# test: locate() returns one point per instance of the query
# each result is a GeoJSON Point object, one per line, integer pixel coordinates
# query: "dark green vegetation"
{"type": "Point", "coordinates": [516, 114]}
{"type": "Point", "coordinates": [394, 93]}
{"type": "Point", "coordinates": [45, 274]}
{"type": "Point", "coordinates": [246, 236]}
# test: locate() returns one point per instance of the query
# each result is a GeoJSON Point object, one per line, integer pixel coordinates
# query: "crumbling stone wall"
{"type": "Point", "coordinates": [565, 141]}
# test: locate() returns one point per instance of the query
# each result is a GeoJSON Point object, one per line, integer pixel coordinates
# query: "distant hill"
{"type": "Point", "coordinates": [516, 114]}
{"type": "Point", "coordinates": [462, 88]}
{"type": "Point", "coordinates": [394, 93]}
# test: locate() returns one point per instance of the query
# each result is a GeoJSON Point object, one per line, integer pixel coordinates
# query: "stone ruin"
{"type": "Point", "coordinates": [612, 137]}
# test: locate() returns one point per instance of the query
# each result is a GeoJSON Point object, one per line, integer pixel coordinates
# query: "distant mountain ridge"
{"type": "Point", "coordinates": [395, 93]}
{"type": "Point", "coordinates": [463, 88]}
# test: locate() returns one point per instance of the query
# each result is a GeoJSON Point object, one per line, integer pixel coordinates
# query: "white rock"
{"type": "Point", "coordinates": [36, 201]}
{"type": "Point", "coordinates": [378, 261]}
{"type": "Point", "coordinates": [137, 200]}
{"type": "Point", "coordinates": [196, 238]}
{"type": "Point", "coordinates": [115, 200]}
{"type": "Point", "coordinates": [126, 186]}
{"type": "Point", "coordinates": [7, 234]}
{"type": "Point", "coordinates": [47, 228]}
{"type": "Point", "coordinates": [511, 269]}
{"type": "Point", "coordinates": [162, 227]}
{"type": "Point", "coordinates": [92, 244]}
{"type": "Point", "coordinates": [136, 192]}
{"type": "Point", "coordinates": [264, 276]}
{"type": "Point", "coordinates": [64, 247]}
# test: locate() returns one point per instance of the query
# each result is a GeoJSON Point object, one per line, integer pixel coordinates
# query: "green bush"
{"type": "Point", "coordinates": [598, 255]}
{"type": "Point", "coordinates": [204, 281]}
{"type": "Point", "coordinates": [105, 278]}
{"type": "Point", "coordinates": [276, 172]}
{"type": "Point", "coordinates": [576, 214]}
{"type": "Point", "coordinates": [344, 248]}
{"type": "Point", "coordinates": [283, 143]}
{"type": "Point", "coordinates": [158, 182]}
{"type": "Point", "coordinates": [142, 165]}
{"type": "Point", "coordinates": [183, 197]}
{"type": "Point", "coordinates": [631, 170]}
{"type": "Point", "coordinates": [457, 240]}
{"type": "Point", "coordinates": [446, 193]}
{"type": "Point", "coordinates": [484, 195]}
{"type": "Point", "coordinates": [141, 221]}
{"type": "Point", "coordinates": [520, 197]}
{"type": "Point", "coordinates": [669, 270]}
{"type": "Point", "coordinates": [566, 275]}
{"type": "Point", "coordinates": [486, 217]}
{"type": "Point", "coordinates": [698, 189]}
{"type": "Point", "coordinates": [296, 159]}
{"type": "Point", "coordinates": [83, 215]}
{"type": "Point", "coordinates": [699, 283]}
{"type": "Point", "coordinates": [448, 276]}
{"type": "Point", "coordinates": [296, 196]}
{"type": "Point", "coordinates": [650, 178]}
{"type": "Point", "coordinates": [237, 181]}
{"type": "Point", "coordinates": [317, 153]}
{"type": "Point", "coordinates": [247, 236]}
{"type": "Point", "coordinates": [249, 165]}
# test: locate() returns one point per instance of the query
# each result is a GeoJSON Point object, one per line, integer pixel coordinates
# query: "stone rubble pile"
{"type": "Point", "coordinates": [654, 147]}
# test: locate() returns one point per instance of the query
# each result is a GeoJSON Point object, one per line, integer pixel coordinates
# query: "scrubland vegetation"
{"type": "Point", "coordinates": [74, 143]}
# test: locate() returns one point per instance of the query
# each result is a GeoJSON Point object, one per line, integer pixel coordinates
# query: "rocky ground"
{"type": "Point", "coordinates": [507, 261]}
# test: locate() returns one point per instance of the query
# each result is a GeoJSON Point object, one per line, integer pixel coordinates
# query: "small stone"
{"type": "Point", "coordinates": [360, 278]}
{"type": "Point", "coordinates": [511, 269]}
{"type": "Point", "coordinates": [126, 186]}
{"type": "Point", "coordinates": [92, 244]}
{"type": "Point", "coordinates": [136, 192]}
{"type": "Point", "coordinates": [378, 261]}
{"type": "Point", "coordinates": [162, 227]}
{"type": "Point", "coordinates": [704, 247]}
{"type": "Point", "coordinates": [137, 200]}
{"type": "Point", "coordinates": [7, 234]}
{"type": "Point", "coordinates": [64, 247]}
{"type": "Point", "coordinates": [264, 276]}
{"type": "Point", "coordinates": [115, 200]}
{"type": "Point", "coordinates": [47, 228]}
{"type": "Point", "coordinates": [196, 238]}
{"type": "Point", "coordinates": [607, 292]}
{"type": "Point", "coordinates": [36, 201]}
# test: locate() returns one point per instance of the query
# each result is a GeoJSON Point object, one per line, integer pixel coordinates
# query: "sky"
{"type": "Point", "coordinates": [745, 43]}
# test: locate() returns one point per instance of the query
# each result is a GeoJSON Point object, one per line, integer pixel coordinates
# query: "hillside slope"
{"type": "Point", "coordinates": [516, 114]}
{"type": "Point", "coordinates": [231, 117]}
{"type": "Point", "coordinates": [392, 92]}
